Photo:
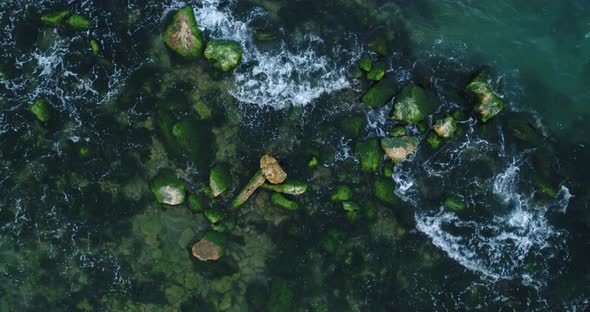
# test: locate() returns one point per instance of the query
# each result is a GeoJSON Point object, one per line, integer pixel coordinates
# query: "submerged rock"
{"type": "Point", "coordinates": [342, 193]}
{"type": "Point", "coordinates": [352, 210]}
{"type": "Point", "coordinates": [365, 63]}
{"type": "Point", "coordinates": [95, 46]}
{"type": "Point", "coordinates": [42, 110]}
{"type": "Point", "coordinates": [224, 54]}
{"type": "Point", "coordinates": [272, 170]}
{"type": "Point", "coordinates": [380, 93]}
{"type": "Point", "coordinates": [183, 36]}
{"type": "Point", "coordinates": [413, 104]}
{"type": "Point", "coordinates": [369, 154]}
{"type": "Point", "coordinates": [168, 189]}
{"type": "Point", "coordinates": [445, 127]}
{"type": "Point", "coordinates": [219, 179]}
{"type": "Point", "coordinates": [385, 191]}
{"type": "Point", "coordinates": [255, 182]}
{"type": "Point", "coordinates": [288, 187]}
{"type": "Point", "coordinates": [352, 126]}
{"type": "Point", "coordinates": [78, 22]}
{"type": "Point", "coordinates": [283, 202]}
{"type": "Point", "coordinates": [454, 203]}
{"type": "Point", "coordinates": [54, 19]}
{"type": "Point", "coordinates": [196, 203]}
{"type": "Point", "coordinates": [210, 247]}
{"type": "Point", "coordinates": [487, 103]}
{"type": "Point", "coordinates": [434, 140]}
{"type": "Point", "coordinates": [399, 148]}
{"type": "Point", "coordinates": [213, 215]}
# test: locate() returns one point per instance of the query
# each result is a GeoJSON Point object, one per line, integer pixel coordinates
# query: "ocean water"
{"type": "Point", "coordinates": [80, 229]}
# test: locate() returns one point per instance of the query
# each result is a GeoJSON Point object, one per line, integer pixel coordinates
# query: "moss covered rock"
{"type": "Point", "coordinates": [196, 203]}
{"type": "Point", "coordinates": [400, 147]}
{"type": "Point", "coordinates": [78, 22]}
{"type": "Point", "coordinates": [183, 36]}
{"type": "Point", "coordinates": [42, 110]}
{"type": "Point", "coordinates": [487, 103]}
{"type": "Point", "coordinates": [369, 154]}
{"type": "Point", "coordinates": [55, 18]}
{"type": "Point", "coordinates": [454, 203]}
{"type": "Point", "coordinates": [95, 47]}
{"type": "Point", "coordinates": [342, 193]}
{"type": "Point", "coordinates": [377, 71]}
{"type": "Point", "coordinates": [288, 187]}
{"type": "Point", "coordinates": [398, 131]}
{"type": "Point", "coordinates": [255, 182]}
{"type": "Point", "coordinates": [380, 93]}
{"type": "Point", "coordinates": [284, 202]}
{"type": "Point", "coordinates": [413, 104]}
{"type": "Point", "coordinates": [224, 54]}
{"type": "Point", "coordinates": [445, 127]}
{"type": "Point", "coordinates": [219, 179]}
{"type": "Point", "coordinates": [352, 126]}
{"type": "Point", "coordinates": [384, 189]}
{"type": "Point", "coordinates": [214, 216]}
{"type": "Point", "coordinates": [434, 140]}
{"type": "Point", "coordinates": [210, 247]}
{"type": "Point", "coordinates": [353, 210]}
{"type": "Point", "coordinates": [167, 188]}
{"type": "Point", "coordinates": [365, 63]}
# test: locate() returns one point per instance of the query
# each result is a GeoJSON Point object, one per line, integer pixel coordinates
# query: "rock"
{"type": "Point", "coordinates": [352, 210]}
{"type": "Point", "coordinates": [183, 36]}
{"type": "Point", "coordinates": [219, 179]}
{"type": "Point", "coordinates": [352, 126]}
{"type": "Point", "coordinates": [167, 188]}
{"type": "Point", "coordinates": [213, 215]}
{"type": "Point", "coordinates": [413, 104]}
{"type": "Point", "coordinates": [369, 155]}
{"type": "Point", "coordinates": [487, 103]}
{"type": "Point", "coordinates": [454, 203]}
{"type": "Point", "coordinates": [365, 63]}
{"type": "Point", "coordinates": [196, 203]}
{"type": "Point", "coordinates": [54, 19]}
{"type": "Point", "coordinates": [434, 140]}
{"type": "Point", "coordinates": [255, 182]}
{"type": "Point", "coordinates": [388, 169]}
{"type": "Point", "coordinates": [398, 131]}
{"type": "Point", "coordinates": [377, 72]}
{"type": "Point", "coordinates": [313, 162]}
{"type": "Point", "coordinates": [384, 189]}
{"type": "Point", "coordinates": [283, 202]}
{"type": "Point", "coordinates": [288, 187]}
{"type": "Point", "coordinates": [378, 46]}
{"type": "Point", "coordinates": [445, 127]}
{"type": "Point", "coordinates": [42, 110]}
{"type": "Point", "coordinates": [224, 54]}
{"type": "Point", "coordinates": [78, 22]}
{"type": "Point", "coordinates": [342, 193]}
{"type": "Point", "coordinates": [210, 247]}
{"type": "Point", "coordinates": [272, 170]}
{"type": "Point", "coordinates": [95, 46]}
{"type": "Point", "coordinates": [380, 93]}
{"type": "Point", "coordinates": [399, 148]}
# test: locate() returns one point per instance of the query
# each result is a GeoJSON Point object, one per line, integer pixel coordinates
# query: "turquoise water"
{"type": "Point", "coordinates": [80, 229]}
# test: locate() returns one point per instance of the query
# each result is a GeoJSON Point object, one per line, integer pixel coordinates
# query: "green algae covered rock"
{"type": "Point", "coordinates": [281, 297]}
{"type": "Point", "coordinates": [384, 189]}
{"type": "Point", "coordinates": [445, 127]}
{"type": "Point", "coordinates": [377, 72]}
{"type": "Point", "coordinates": [487, 103]}
{"type": "Point", "coordinates": [167, 188]}
{"type": "Point", "coordinates": [352, 210]}
{"type": "Point", "coordinates": [210, 247]}
{"type": "Point", "coordinates": [183, 36]}
{"type": "Point", "coordinates": [284, 202]}
{"type": "Point", "coordinates": [213, 215]}
{"type": "Point", "coordinates": [365, 63]}
{"type": "Point", "coordinates": [378, 46]}
{"type": "Point", "coordinates": [352, 126]}
{"type": "Point", "coordinates": [369, 154]}
{"type": "Point", "coordinates": [255, 182]}
{"type": "Point", "coordinates": [42, 110]}
{"type": "Point", "coordinates": [454, 203]}
{"type": "Point", "coordinates": [400, 147]}
{"type": "Point", "coordinates": [78, 22]}
{"type": "Point", "coordinates": [381, 93]}
{"type": "Point", "coordinates": [95, 46]}
{"type": "Point", "coordinates": [219, 179]}
{"type": "Point", "coordinates": [342, 193]}
{"type": "Point", "coordinates": [398, 131]}
{"type": "Point", "coordinates": [288, 187]}
{"type": "Point", "coordinates": [224, 54]}
{"type": "Point", "coordinates": [196, 203]}
{"type": "Point", "coordinates": [54, 19]}
{"type": "Point", "coordinates": [413, 104]}
{"type": "Point", "coordinates": [434, 140]}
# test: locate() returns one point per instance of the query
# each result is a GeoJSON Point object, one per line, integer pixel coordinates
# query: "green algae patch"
{"type": "Point", "coordinates": [183, 36]}
{"type": "Point", "coordinates": [381, 93]}
{"type": "Point", "coordinates": [95, 47]}
{"type": "Point", "coordinates": [445, 127]}
{"type": "Point", "coordinates": [288, 187]}
{"type": "Point", "coordinates": [369, 154]}
{"type": "Point", "coordinates": [434, 140]}
{"type": "Point", "coordinates": [413, 105]}
{"type": "Point", "coordinates": [352, 126]}
{"type": "Point", "coordinates": [377, 72]}
{"type": "Point", "coordinates": [41, 110]}
{"type": "Point", "coordinates": [454, 203]}
{"type": "Point", "coordinates": [365, 63]}
{"type": "Point", "coordinates": [78, 22]}
{"type": "Point", "coordinates": [224, 54]}
{"type": "Point", "coordinates": [384, 189]}
{"type": "Point", "coordinates": [342, 193]}
{"type": "Point", "coordinates": [352, 210]}
{"type": "Point", "coordinates": [219, 179]}
{"type": "Point", "coordinates": [54, 19]}
{"type": "Point", "coordinates": [398, 148]}
{"type": "Point", "coordinates": [167, 188]}
{"type": "Point", "coordinates": [284, 202]}
{"type": "Point", "coordinates": [487, 103]}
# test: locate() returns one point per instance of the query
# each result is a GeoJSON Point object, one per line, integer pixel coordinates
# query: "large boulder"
{"type": "Point", "coordinates": [183, 36]}
{"type": "Point", "coordinates": [219, 179]}
{"type": "Point", "coordinates": [224, 54]}
{"type": "Point", "coordinates": [381, 93]}
{"type": "Point", "coordinates": [168, 189]}
{"type": "Point", "coordinates": [413, 105]}
{"type": "Point", "coordinates": [445, 127]}
{"type": "Point", "coordinates": [272, 170]}
{"type": "Point", "coordinates": [399, 148]}
{"type": "Point", "coordinates": [210, 247]}
{"type": "Point", "coordinates": [41, 110]}
{"type": "Point", "coordinates": [487, 103]}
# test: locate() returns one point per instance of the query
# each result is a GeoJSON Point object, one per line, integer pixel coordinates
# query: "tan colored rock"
{"type": "Point", "coordinates": [252, 186]}
{"type": "Point", "coordinates": [272, 170]}
{"type": "Point", "coordinates": [205, 250]}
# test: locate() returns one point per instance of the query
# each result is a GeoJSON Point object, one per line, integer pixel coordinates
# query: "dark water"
{"type": "Point", "coordinates": [84, 232]}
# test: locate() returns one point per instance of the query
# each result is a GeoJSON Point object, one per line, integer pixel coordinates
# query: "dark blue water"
{"type": "Point", "coordinates": [80, 229]}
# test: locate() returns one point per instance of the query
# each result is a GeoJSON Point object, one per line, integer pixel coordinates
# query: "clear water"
{"type": "Point", "coordinates": [86, 234]}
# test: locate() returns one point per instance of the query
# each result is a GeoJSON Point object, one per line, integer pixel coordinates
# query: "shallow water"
{"type": "Point", "coordinates": [83, 232]}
